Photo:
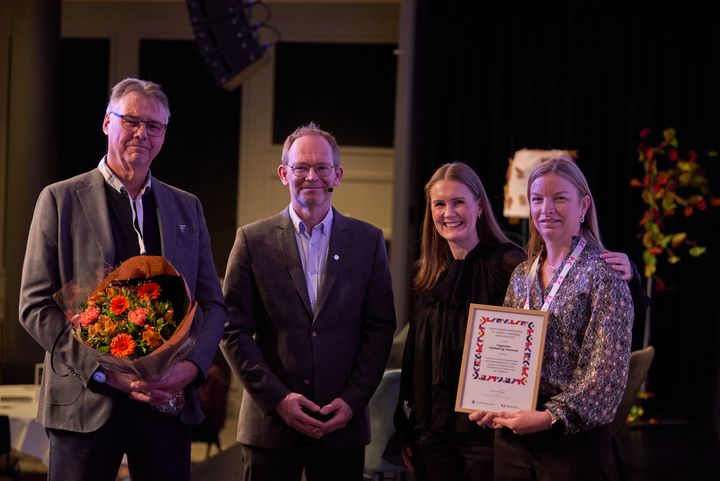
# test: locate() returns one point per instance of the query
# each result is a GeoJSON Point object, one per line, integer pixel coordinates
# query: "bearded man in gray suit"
{"type": "Point", "coordinates": [81, 227]}
{"type": "Point", "coordinates": [310, 324]}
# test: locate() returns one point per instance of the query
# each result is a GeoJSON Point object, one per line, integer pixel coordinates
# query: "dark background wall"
{"type": "Point", "coordinates": [353, 94]}
{"type": "Point", "coordinates": [570, 76]}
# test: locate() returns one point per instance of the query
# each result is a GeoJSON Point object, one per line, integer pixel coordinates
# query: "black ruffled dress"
{"type": "Point", "coordinates": [433, 351]}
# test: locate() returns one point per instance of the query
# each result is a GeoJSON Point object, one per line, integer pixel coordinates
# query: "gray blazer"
{"type": "Point", "coordinates": [276, 345]}
{"type": "Point", "coordinates": [70, 239]}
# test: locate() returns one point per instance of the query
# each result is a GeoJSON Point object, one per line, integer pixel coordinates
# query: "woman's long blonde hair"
{"type": "Point", "coordinates": [434, 250]}
{"type": "Point", "coordinates": [565, 167]}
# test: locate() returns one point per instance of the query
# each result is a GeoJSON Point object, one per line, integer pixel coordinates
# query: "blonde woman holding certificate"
{"type": "Point", "coordinates": [587, 348]}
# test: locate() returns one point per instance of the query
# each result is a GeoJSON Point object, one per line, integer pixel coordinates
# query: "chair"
{"type": "Point", "coordinates": [398, 348]}
{"type": "Point", "coordinates": [639, 366]}
{"type": "Point", "coordinates": [8, 463]}
{"type": "Point", "coordinates": [382, 408]}
{"type": "Point", "coordinates": [213, 402]}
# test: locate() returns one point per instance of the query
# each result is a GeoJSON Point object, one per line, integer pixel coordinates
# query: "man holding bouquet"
{"type": "Point", "coordinates": [310, 324]}
{"type": "Point", "coordinates": [81, 228]}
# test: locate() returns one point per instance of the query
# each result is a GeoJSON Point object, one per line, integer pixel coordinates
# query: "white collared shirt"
{"type": "Point", "coordinates": [313, 247]}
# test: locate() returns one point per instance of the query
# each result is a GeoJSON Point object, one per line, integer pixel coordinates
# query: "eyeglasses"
{"type": "Point", "coordinates": [301, 170]}
{"type": "Point", "coordinates": [128, 122]}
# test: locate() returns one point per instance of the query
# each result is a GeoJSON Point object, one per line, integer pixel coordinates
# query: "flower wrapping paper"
{"type": "Point", "coordinates": [73, 300]}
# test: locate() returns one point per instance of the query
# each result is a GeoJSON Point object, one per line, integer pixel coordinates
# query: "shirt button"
{"type": "Point", "coordinates": [314, 334]}
{"type": "Point", "coordinates": [306, 381]}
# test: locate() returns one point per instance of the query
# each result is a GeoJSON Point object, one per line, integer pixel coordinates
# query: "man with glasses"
{"type": "Point", "coordinates": [81, 227]}
{"type": "Point", "coordinates": [310, 324]}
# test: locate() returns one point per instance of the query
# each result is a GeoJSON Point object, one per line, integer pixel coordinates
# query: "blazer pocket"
{"type": "Point", "coordinates": [64, 390]}
{"type": "Point", "coordinates": [187, 241]}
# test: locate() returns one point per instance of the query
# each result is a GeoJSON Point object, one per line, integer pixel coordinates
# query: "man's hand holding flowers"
{"type": "Point", "coordinates": [160, 392]}
{"type": "Point", "coordinates": [120, 381]}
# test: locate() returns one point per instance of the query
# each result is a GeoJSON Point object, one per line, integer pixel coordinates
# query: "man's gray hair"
{"type": "Point", "coordinates": [311, 129]}
{"type": "Point", "coordinates": [143, 87]}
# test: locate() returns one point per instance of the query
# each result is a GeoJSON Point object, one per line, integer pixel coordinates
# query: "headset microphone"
{"type": "Point", "coordinates": [330, 189]}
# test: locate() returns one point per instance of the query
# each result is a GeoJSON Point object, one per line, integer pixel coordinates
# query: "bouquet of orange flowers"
{"type": "Point", "coordinates": [138, 317]}
{"type": "Point", "coordinates": [126, 318]}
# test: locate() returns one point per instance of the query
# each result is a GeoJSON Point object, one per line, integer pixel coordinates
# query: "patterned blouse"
{"type": "Point", "coordinates": [587, 347]}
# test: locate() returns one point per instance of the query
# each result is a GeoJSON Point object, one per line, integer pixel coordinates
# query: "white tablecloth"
{"type": "Point", "coordinates": [19, 403]}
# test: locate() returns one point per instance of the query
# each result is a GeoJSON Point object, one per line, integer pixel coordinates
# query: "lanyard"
{"type": "Point", "coordinates": [558, 280]}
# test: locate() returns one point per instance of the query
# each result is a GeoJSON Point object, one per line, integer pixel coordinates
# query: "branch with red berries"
{"type": "Point", "coordinates": [671, 183]}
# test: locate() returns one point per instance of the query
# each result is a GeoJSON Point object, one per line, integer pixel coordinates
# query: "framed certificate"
{"type": "Point", "coordinates": [502, 358]}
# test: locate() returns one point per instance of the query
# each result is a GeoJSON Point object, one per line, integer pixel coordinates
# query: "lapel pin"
{"type": "Point", "coordinates": [182, 227]}
{"type": "Point", "coordinates": [336, 257]}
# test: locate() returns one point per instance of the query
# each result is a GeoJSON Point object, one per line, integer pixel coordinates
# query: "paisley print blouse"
{"type": "Point", "coordinates": [587, 347]}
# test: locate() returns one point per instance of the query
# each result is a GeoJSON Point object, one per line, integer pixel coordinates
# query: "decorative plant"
{"type": "Point", "coordinates": [671, 183]}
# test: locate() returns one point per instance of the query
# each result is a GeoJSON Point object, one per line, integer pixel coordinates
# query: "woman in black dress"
{"type": "Point", "coordinates": [465, 257]}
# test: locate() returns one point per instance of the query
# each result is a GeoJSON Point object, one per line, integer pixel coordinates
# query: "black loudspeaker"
{"type": "Point", "coordinates": [227, 39]}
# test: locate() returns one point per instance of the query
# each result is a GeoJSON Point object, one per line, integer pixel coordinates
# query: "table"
{"type": "Point", "coordinates": [20, 402]}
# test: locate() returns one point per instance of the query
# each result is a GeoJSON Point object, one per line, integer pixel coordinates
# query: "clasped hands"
{"type": "Point", "coordinates": [158, 393]}
{"type": "Point", "coordinates": [297, 411]}
{"type": "Point", "coordinates": [526, 421]}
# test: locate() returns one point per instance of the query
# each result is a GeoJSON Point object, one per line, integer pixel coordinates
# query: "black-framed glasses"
{"type": "Point", "coordinates": [128, 122]}
{"type": "Point", "coordinates": [301, 170]}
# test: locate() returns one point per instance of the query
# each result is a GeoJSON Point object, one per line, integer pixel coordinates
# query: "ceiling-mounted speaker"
{"type": "Point", "coordinates": [227, 39]}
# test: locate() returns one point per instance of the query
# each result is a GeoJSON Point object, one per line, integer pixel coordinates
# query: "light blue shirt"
{"type": "Point", "coordinates": [313, 246]}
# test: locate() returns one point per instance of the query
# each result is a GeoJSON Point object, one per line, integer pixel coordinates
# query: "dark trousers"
{"type": "Point", "coordinates": [319, 463]}
{"type": "Point", "coordinates": [454, 456]}
{"type": "Point", "coordinates": [157, 447]}
{"type": "Point", "coordinates": [553, 456]}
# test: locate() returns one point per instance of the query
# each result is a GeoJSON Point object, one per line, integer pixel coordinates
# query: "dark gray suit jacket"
{"type": "Point", "coordinates": [276, 345]}
{"type": "Point", "coordinates": [70, 239]}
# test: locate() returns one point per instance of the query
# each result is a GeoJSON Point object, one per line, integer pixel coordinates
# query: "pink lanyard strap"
{"type": "Point", "coordinates": [558, 280]}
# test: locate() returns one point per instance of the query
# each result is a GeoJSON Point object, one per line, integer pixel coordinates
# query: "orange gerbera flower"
{"type": "Point", "coordinates": [149, 289]}
{"type": "Point", "coordinates": [122, 345]}
{"type": "Point", "coordinates": [119, 305]}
